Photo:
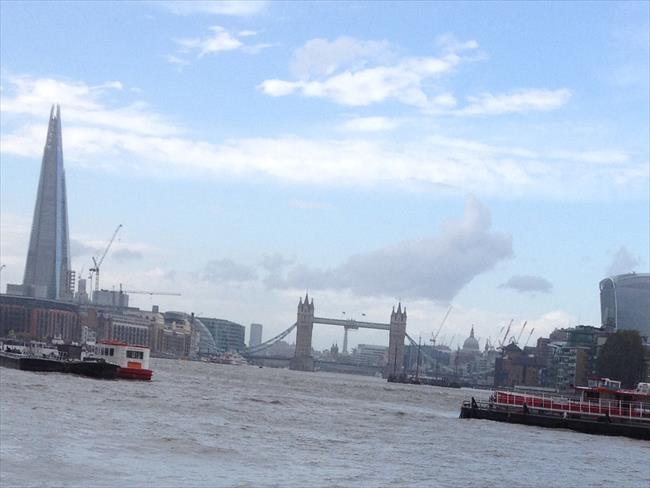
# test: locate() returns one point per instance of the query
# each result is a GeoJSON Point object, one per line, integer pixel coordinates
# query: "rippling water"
{"type": "Point", "coordinates": [203, 424]}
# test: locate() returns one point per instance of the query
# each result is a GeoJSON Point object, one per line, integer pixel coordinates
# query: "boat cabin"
{"type": "Point", "coordinates": [123, 354]}
{"type": "Point", "coordinates": [600, 389]}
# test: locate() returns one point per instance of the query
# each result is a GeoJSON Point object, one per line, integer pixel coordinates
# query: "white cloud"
{"type": "Point", "coordinates": [528, 284]}
{"type": "Point", "coordinates": [516, 102]}
{"type": "Point", "coordinates": [171, 59]}
{"type": "Point", "coordinates": [434, 268]}
{"type": "Point", "coordinates": [219, 40]}
{"type": "Point", "coordinates": [81, 104]}
{"type": "Point", "coordinates": [370, 124]}
{"type": "Point", "coordinates": [216, 7]}
{"type": "Point", "coordinates": [449, 43]}
{"type": "Point", "coordinates": [402, 82]}
{"type": "Point", "coordinates": [623, 262]}
{"type": "Point", "coordinates": [320, 57]}
{"type": "Point", "coordinates": [133, 136]}
{"type": "Point", "coordinates": [227, 270]}
{"type": "Point", "coordinates": [355, 72]}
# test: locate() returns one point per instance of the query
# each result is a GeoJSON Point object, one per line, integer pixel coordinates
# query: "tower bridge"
{"type": "Point", "coordinates": [303, 359]}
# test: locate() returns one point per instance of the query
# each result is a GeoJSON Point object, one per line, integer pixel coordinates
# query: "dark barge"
{"type": "Point", "coordinates": [585, 423]}
{"type": "Point", "coordinates": [90, 368]}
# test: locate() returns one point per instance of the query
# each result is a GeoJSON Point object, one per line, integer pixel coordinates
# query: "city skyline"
{"type": "Point", "coordinates": [366, 167]}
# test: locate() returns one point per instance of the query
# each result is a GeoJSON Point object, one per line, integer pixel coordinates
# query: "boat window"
{"type": "Point", "coordinates": [134, 354]}
{"type": "Point", "coordinates": [112, 350]}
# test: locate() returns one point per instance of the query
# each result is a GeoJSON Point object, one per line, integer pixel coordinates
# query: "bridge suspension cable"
{"type": "Point", "coordinates": [266, 344]}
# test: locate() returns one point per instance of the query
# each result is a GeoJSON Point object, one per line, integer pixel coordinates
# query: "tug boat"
{"type": "Point", "coordinates": [602, 407]}
{"type": "Point", "coordinates": [132, 360]}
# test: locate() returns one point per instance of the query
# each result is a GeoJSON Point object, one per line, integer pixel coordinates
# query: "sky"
{"type": "Point", "coordinates": [492, 157]}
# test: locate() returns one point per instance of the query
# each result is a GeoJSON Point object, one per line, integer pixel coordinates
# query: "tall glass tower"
{"type": "Point", "coordinates": [47, 271]}
{"type": "Point", "coordinates": [625, 302]}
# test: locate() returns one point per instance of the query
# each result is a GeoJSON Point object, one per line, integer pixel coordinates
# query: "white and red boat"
{"type": "Point", "coordinates": [133, 360]}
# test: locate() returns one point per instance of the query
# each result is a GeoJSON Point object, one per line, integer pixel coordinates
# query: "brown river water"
{"type": "Point", "coordinates": [207, 425]}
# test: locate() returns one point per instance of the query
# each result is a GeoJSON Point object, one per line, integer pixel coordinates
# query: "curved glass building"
{"type": "Point", "coordinates": [206, 342]}
{"type": "Point", "coordinates": [625, 302]}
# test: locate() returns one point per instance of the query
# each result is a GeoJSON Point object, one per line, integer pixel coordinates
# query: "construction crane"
{"type": "Point", "coordinates": [505, 336]}
{"type": "Point", "coordinates": [435, 336]}
{"type": "Point", "coordinates": [521, 332]}
{"type": "Point", "coordinates": [531, 333]}
{"type": "Point", "coordinates": [99, 262]}
{"type": "Point", "coordinates": [145, 292]}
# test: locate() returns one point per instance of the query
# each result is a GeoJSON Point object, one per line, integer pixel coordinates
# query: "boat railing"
{"type": "Point", "coordinates": [613, 408]}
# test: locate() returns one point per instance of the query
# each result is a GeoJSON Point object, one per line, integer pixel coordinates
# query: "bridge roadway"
{"type": "Point", "coordinates": [351, 324]}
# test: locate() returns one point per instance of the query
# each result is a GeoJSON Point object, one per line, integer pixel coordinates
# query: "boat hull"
{"type": "Point", "coordinates": [91, 369]}
{"type": "Point", "coordinates": [28, 363]}
{"type": "Point", "coordinates": [600, 427]}
{"type": "Point", "coordinates": [135, 374]}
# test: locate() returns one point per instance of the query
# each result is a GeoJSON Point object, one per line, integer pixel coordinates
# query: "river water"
{"type": "Point", "coordinates": [199, 424]}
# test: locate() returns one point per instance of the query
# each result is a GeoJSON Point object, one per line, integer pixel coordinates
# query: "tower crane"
{"type": "Point", "coordinates": [521, 332]}
{"type": "Point", "coordinates": [435, 336]}
{"type": "Point", "coordinates": [98, 263]}
{"type": "Point", "coordinates": [148, 292]}
{"type": "Point", "coordinates": [505, 336]}
{"type": "Point", "coordinates": [531, 333]}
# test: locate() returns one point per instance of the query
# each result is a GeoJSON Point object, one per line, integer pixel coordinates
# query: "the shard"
{"type": "Point", "coordinates": [47, 272]}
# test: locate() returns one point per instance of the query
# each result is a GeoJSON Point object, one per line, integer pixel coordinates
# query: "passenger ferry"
{"type": "Point", "coordinates": [133, 360]}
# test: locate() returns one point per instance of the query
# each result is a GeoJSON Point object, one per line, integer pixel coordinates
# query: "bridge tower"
{"type": "Point", "coordinates": [302, 359]}
{"type": "Point", "coordinates": [395, 364]}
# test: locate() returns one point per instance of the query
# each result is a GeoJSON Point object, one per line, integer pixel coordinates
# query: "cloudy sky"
{"type": "Point", "coordinates": [493, 157]}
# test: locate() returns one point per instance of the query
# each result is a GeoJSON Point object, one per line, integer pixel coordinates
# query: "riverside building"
{"type": "Point", "coordinates": [228, 336]}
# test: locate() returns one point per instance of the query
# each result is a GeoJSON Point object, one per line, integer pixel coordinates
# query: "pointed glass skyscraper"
{"type": "Point", "coordinates": [47, 272]}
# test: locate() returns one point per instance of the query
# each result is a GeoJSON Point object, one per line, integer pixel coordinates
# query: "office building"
{"type": "Point", "coordinates": [255, 338]}
{"type": "Point", "coordinates": [625, 302]}
{"type": "Point", "coordinates": [228, 336]}
{"type": "Point", "coordinates": [47, 270]}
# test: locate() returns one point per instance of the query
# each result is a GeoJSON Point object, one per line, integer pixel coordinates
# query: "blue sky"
{"type": "Point", "coordinates": [493, 156]}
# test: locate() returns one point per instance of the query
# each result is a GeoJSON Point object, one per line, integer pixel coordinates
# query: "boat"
{"type": "Point", "coordinates": [42, 357]}
{"type": "Point", "coordinates": [132, 360]}
{"type": "Point", "coordinates": [602, 407]}
{"type": "Point", "coordinates": [424, 380]}
{"type": "Point", "coordinates": [93, 368]}
{"type": "Point", "coordinates": [232, 358]}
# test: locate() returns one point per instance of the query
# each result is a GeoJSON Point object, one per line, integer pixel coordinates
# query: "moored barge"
{"type": "Point", "coordinates": [602, 408]}
{"type": "Point", "coordinates": [40, 357]}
